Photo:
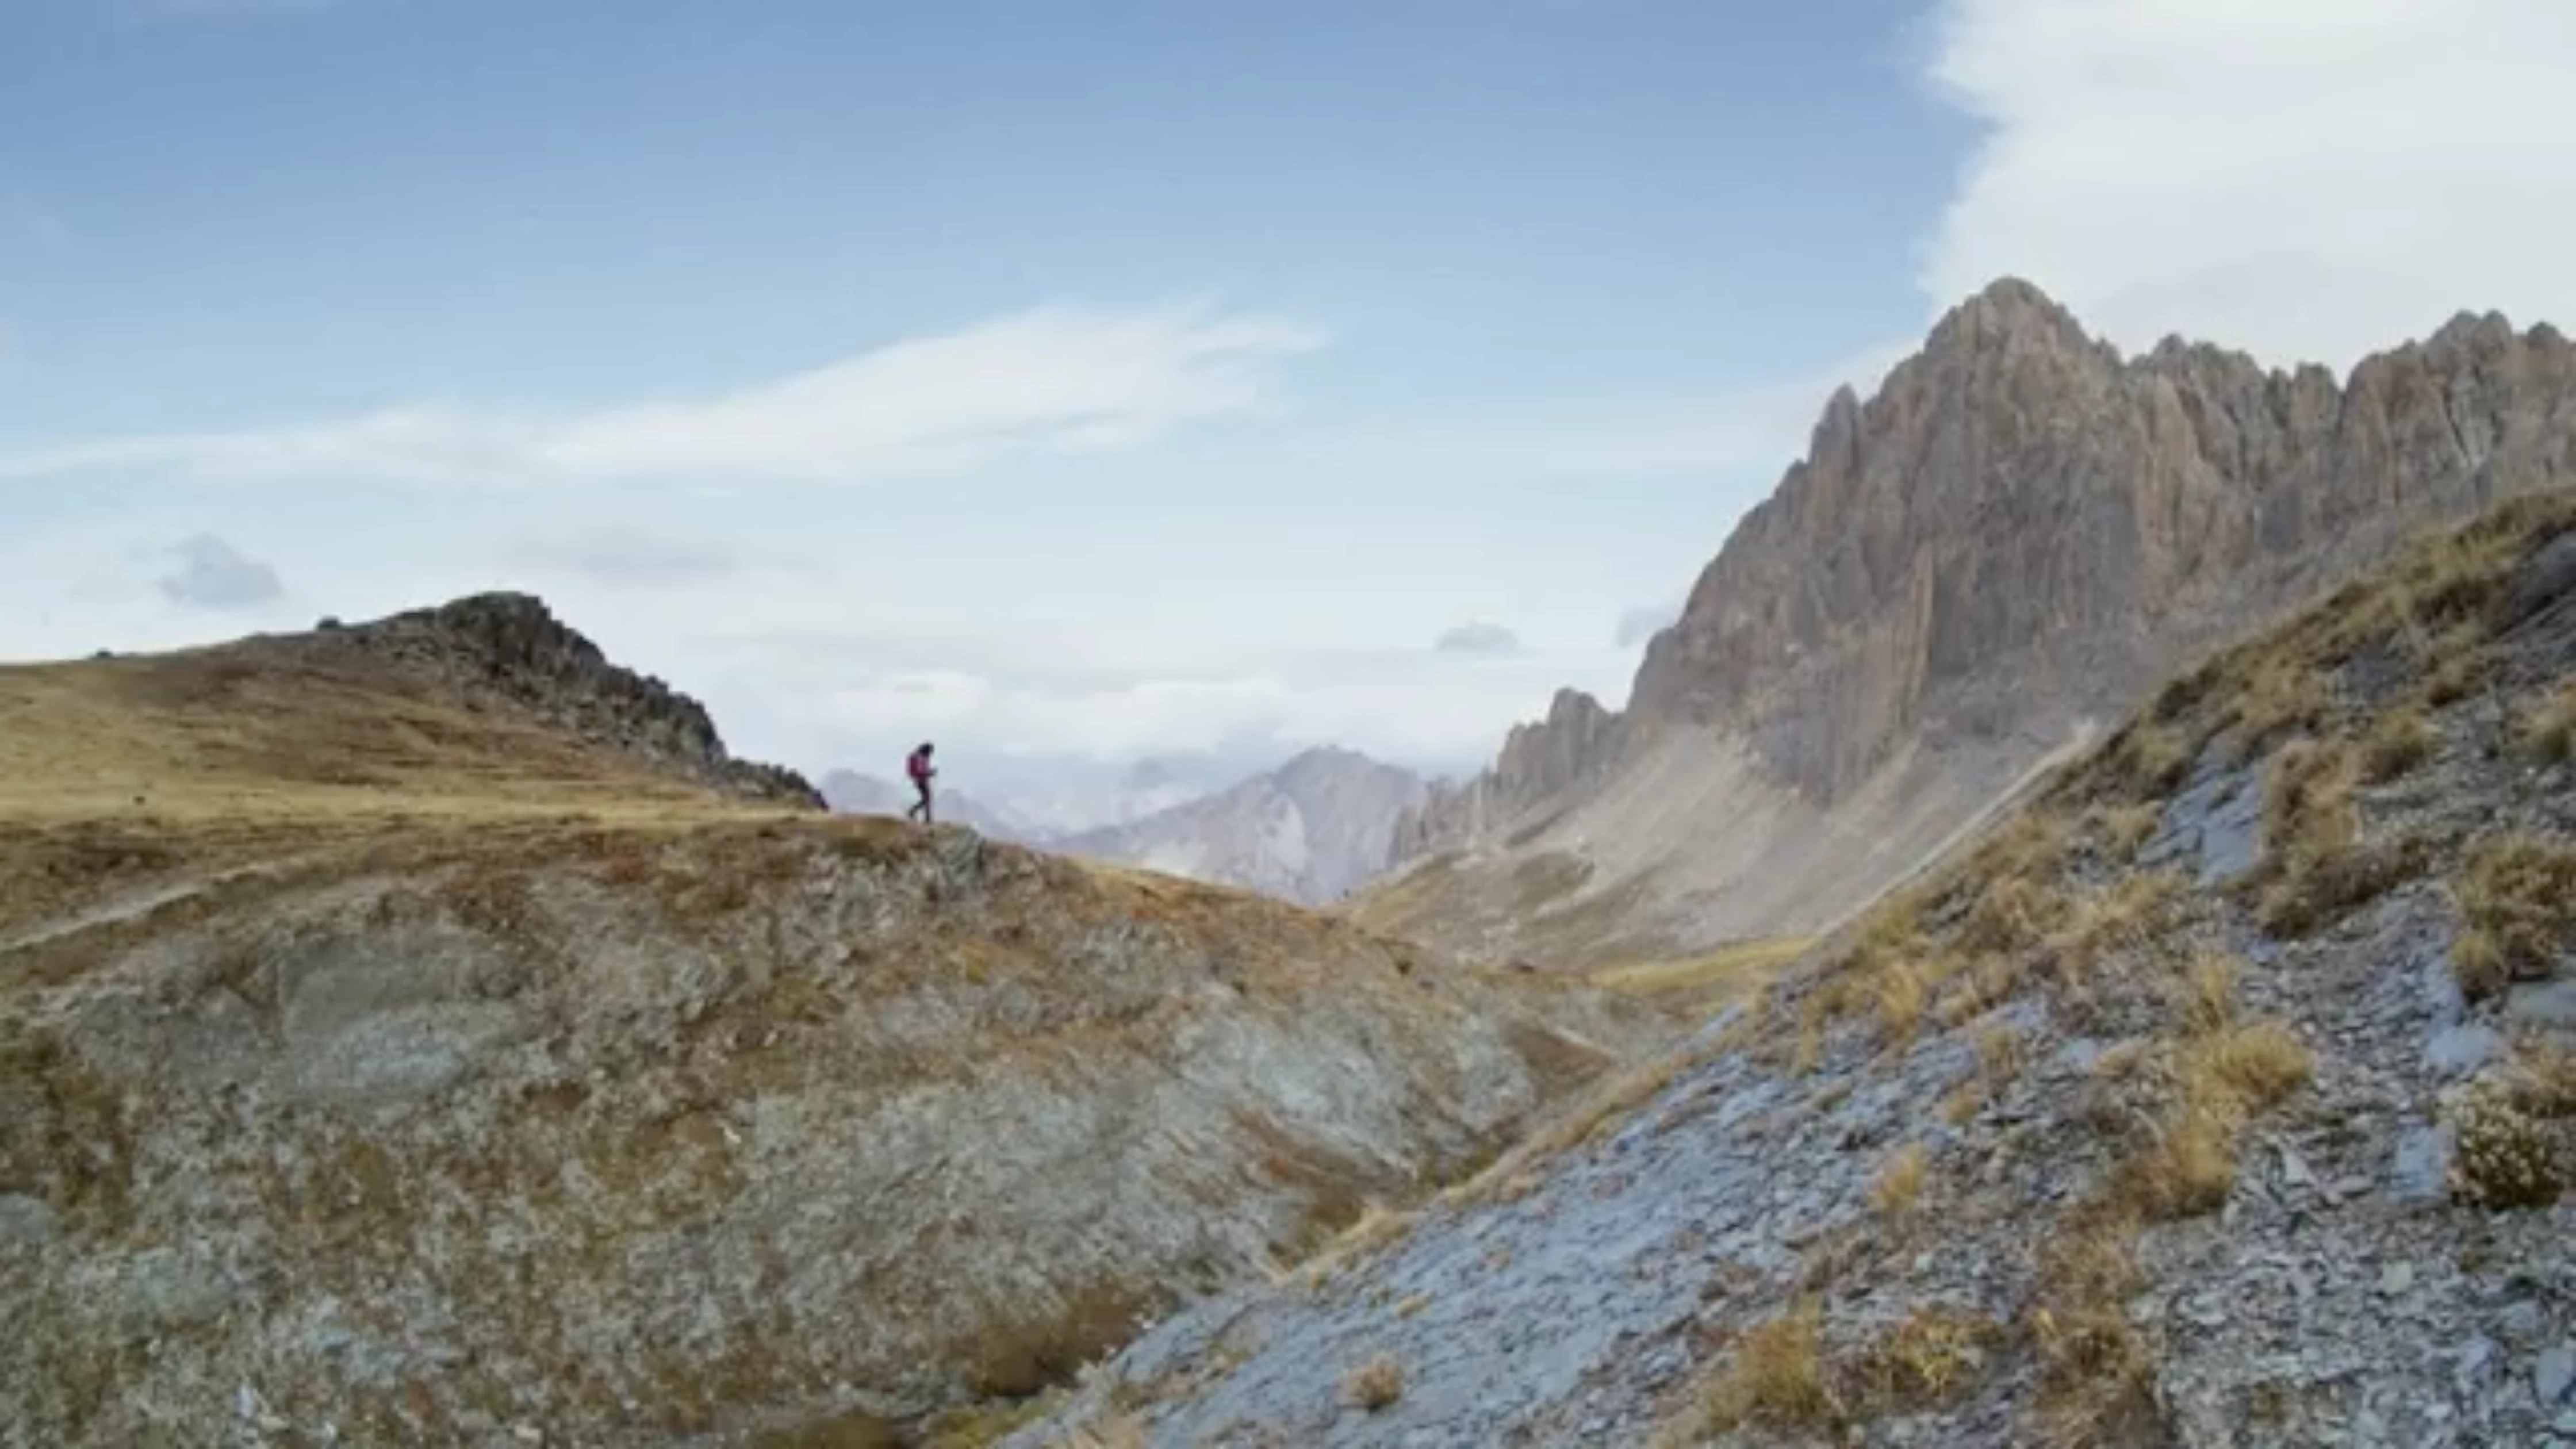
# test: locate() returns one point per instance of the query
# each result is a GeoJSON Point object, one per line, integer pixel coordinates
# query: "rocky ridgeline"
{"type": "Point", "coordinates": [510, 649]}
{"type": "Point", "coordinates": [2022, 528]}
{"type": "Point", "coordinates": [2223, 1098]}
{"type": "Point", "coordinates": [1308, 832]}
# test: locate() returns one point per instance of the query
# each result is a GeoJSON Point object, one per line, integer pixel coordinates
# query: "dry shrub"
{"type": "Point", "coordinates": [2505, 1156]}
{"type": "Point", "coordinates": [2318, 870]}
{"type": "Point", "coordinates": [2123, 828]}
{"type": "Point", "coordinates": [1899, 1185]}
{"type": "Point", "coordinates": [2216, 1081]}
{"type": "Point", "coordinates": [2283, 693]}
{"type": "Point", "coordinates": [1932, 1358]}
{"type": "Point", "coordinates": [1897, 997]}
{"type": "Point", "coordinates": [1375, 1384]}
{"type": "Point", "coordinates": [1999, 1054]}
{"type": "Point", "coordinates": [2518, 895]}
{"type": "Point", "coordinates": [2460, 664]}
{"type": "Point", "coordinates": [2149, 760]}
{"type": "Point", "coordinates": [2548, 733]}
{"type": "Point", "coordinates": [2308, 809]}
{"type": "Point", "coordinates": [2095, 1369]}
{"type": "Point", "coordinates": [2398, 741]}
{"type": "Point", "coordinates": [1777, 1377]}
{"type": "Point", "coordinates": [2013, 913]}
{"type": "Point", "coordinates": [2208, 992]}
{"type": "Point", "coordinates": [2110, 920]}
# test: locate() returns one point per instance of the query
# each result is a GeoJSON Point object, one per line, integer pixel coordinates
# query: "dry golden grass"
{"type": "Point", "coordinates": [1928, 1359]}
{"type": "Point", "coordinates": [1374, 1385]}
{"type": "Point", "coordinates": [2280, 694]}
{"type": "Point", "coordinates": [2220, 1080]}
{"type": "Point", "coordinates": [1899, 1184]}
{"type": "Point", "coordinates": [2398, 741]}
{"type": "Point", "coordinates": [2547, 734]}
{"type": "Point", "coordinates": [2123, 828]}
{"type": "Point", "coordinates": [1710, 979]}
{"type": "Point", "coordinates": [2517, 894]}
{"type": "Point", "coordinates": [1116, 1432]}
{"type": "Point", "coordinates": [121, 773]}
{"type": "Point", "coordinates": [1776, 1378]}
{"type": "Point", "coordinates": [2096, 1370]}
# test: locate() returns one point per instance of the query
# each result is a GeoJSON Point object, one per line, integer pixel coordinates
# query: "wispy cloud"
{"type": "Point", "coordinates": [1478, 637]}
{"type": "Point", "coordinates": [209, 573]}
{"type": "Point", "coordinates": [2301, 179]}
{"type": "Point", "coordinates": [1054, 379]}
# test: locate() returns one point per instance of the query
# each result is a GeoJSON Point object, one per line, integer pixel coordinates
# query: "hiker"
{"type": "Point", "coordinates": [918, 767]}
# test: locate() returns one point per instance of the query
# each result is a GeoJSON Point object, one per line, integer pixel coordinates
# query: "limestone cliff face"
{"type": "Point", "coordinates": [2022, 527]}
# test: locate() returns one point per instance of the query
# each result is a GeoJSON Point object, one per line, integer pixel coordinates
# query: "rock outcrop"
{"type": "Point", "coordinates": [2020, 530]}
{"type": "Point", "coordinates": [2226, 1096]}
{"type": "Point", "coordinates": [1308, 831]}
{"type": "Point", "coordinates": [509, 651]}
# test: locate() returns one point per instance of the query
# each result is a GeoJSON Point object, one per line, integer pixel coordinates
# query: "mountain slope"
{"type": "Point", "coordinates": [2225, 1095]}
{"type": "Point", "coordinates": [1306, 832]}
{"type": "Point", "coordinates": [2019, 534]}
{"type": "Point", "coordinates": [383, 1061]}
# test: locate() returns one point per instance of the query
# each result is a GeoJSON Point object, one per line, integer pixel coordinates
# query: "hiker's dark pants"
{"type": "Point", "coordinates": [920, 807]}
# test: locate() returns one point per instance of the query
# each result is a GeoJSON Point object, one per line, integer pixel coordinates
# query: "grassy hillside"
{"type": "Point", "coordinates": [429, 1070]}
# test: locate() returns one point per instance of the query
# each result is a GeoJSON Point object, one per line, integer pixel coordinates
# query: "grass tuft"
{"type": "Point", "coordinates": [2398, 742]}
{"type": "Point", "coordinates": [1776, 1378]}
{"type": "Point", "coordinates": [2517, 894]}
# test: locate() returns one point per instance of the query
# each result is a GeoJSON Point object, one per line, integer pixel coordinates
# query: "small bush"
{"type": "Point", "coordinates": [2518, 895]}
{"type": "Point", "coordinates": [2402, 739]}
{"type": "Point", "coordinates": [1777, 1377]}
{"type": "Point", "coordinates": [2504, 1157]}
{"type": "Point", "coordinates": [1375, 1384]}
{"type": "Point", "coordinates": [2548, 733]}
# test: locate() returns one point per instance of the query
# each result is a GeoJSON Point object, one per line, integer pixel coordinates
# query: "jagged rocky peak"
{"type": "Point", "coordinates": [2020, 528]}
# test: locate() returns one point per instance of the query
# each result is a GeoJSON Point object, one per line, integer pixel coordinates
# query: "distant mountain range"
{"type": "Point", "coordinates": [1310, 831]}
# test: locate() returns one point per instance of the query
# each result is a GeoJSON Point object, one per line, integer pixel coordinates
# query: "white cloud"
{"type": "Point", "coordinates": [1477, 637]}
{"type": "Point", "coordinates": [208, 573]}
{"type": "Point", "coordinates": [2303, 179]}
{"type": "Point", "coordinates": [1049, 379]}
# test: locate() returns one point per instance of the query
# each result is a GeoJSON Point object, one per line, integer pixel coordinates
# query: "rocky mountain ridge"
{"type": "Point", "coordinates": [2020, 531]}
{"type": "Point", "coordinates": [1309, 831]}
{"type": "Point", "coordinates": [509, 651]}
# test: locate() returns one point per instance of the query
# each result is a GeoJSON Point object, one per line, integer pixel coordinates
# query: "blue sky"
{"type": "Point", "coordinates": [1088, 381]}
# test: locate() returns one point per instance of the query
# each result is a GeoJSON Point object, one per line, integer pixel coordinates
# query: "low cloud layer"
{"type": "Point", "coordinates": [209, 573]}
{"type": "Point", "coordinates": [1051, 379]}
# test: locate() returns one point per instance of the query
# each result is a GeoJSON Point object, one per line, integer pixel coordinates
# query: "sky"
{"type": "Point", "coordinates": [1075, 384]}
